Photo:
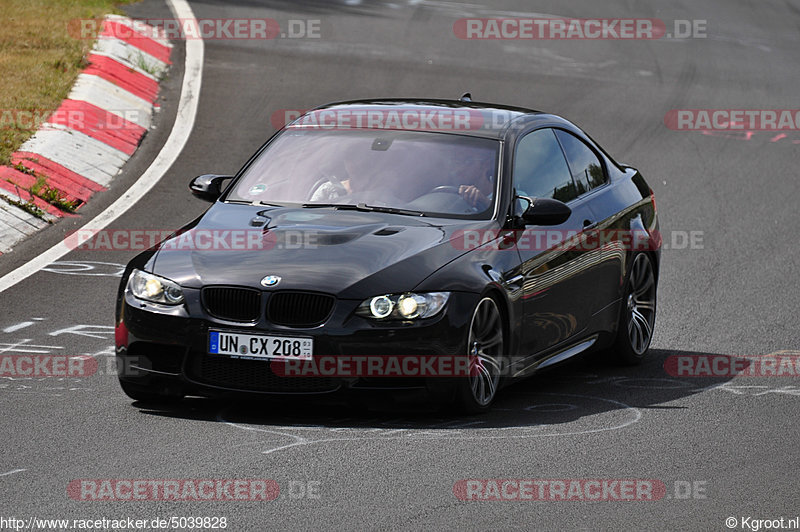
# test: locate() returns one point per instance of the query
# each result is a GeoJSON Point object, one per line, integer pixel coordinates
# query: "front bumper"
{"type": "Point", "coordinates": [165, 349]}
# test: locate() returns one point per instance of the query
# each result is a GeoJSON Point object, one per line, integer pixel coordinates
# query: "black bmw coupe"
{"type": "Point", "coordinates": [447, 245]}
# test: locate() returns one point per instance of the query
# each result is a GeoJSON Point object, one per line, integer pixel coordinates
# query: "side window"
{"type": "Point", "coordinates": [540, 169]}
{"type": "Point", "coordinates": [585, 166]}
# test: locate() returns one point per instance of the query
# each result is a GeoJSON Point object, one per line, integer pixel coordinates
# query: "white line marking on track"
{"type": "Point", "coordinates": [24, 347]}
{"type": "Point", "coordinates": [87, 268]}
{"type": "Point", "coordinates": [12, 472]}
{"type": "Point", "coordinates": [109, 351]}
{"type": "Point", "coordinates": [18, 326]}
{"type": "Point", "coordinates": [441, 433]}
{"type": "Point", "coordinates": [181, 130]}
{"type": "Point", "coordinates": [90, 331]}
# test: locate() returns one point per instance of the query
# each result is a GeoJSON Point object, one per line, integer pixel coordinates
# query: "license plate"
{"type": "Point", "coordinates": [259, 346]}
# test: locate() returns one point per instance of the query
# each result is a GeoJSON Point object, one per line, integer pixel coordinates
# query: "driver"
{"type": "Point", "coordinates": [332, 187]}
{"type": "Point", "coordinates": [479, 194]}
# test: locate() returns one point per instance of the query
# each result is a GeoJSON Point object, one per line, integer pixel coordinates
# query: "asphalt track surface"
{"type": "Point", "coordinates": [393, 465]}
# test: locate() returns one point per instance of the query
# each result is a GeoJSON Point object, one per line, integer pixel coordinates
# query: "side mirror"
{"type": "Point", "coordinates": [208, 187]}
{"type": "Point", "coordinates": [545, 211]}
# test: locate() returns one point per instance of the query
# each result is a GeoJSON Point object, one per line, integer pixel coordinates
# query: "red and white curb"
{"type": "Point", "coordinates": [85, 143]}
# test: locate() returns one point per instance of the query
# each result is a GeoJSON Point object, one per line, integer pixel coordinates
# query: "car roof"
{"type": "Point", "coordinates": [479, 119]}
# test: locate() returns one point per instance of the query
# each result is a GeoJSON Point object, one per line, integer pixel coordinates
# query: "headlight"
{"type": "Point", "coordinates": [406, 306]}
{"type": "Point", "coordinates": [153, 288]}
{"type": "Point", "coordinates": [381, 306]}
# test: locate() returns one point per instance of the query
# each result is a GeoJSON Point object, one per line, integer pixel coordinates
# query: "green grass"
{"type": "Point", "coordinates": [41, 54]}
{"type": "Point", "coordinates": [54, 197]}
{"type": "Point", "coordinates": [140, 62]}
{"type": "Point", "coordinates": [27, 206]}
{"type": "Point", "coordinates": [43, 190]}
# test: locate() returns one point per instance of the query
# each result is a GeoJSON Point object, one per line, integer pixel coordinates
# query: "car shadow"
{"type": "Point", "coordinates": [583, 395]}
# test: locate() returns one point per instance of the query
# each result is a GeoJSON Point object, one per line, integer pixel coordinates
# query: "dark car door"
{"type": "Point", "coordinates": [603, 247]}
{"type": "Point", "coordinates": [558, 282]}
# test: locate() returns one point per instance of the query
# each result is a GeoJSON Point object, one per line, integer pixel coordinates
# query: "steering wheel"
{"type": "Point", "coordinates": [445, 188]}
{"type": "Point", "coordinates": [338, 188]}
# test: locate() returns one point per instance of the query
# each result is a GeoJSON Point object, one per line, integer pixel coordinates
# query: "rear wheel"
{"type": "Point", "coordinates": [638, 312]}
{"type": "Point", "coordinates": [485, 344]}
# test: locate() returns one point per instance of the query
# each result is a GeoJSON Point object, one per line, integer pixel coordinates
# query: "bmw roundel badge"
{"type": "Point", "coordinates": [270, 280]}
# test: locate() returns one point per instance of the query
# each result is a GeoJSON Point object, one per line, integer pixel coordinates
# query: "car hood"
{"type": "Point", "coordinates": [351, 254]}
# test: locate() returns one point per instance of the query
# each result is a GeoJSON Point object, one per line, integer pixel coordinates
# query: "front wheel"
{"type": "Point", "coordinates": [638, 312]}
{"type": "Point", "coordinates": [485, 343]}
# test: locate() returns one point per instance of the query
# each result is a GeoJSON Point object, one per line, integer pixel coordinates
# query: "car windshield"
{"type": "Point", "coordinates": [428, 173]}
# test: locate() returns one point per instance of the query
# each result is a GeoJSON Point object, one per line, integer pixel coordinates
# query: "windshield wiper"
{"type": "Point", "coordinates": [363, 207]}
{"type": "Point", "coordinates": [256, 203]}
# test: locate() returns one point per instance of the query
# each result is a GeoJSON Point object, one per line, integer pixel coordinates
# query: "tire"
{"type": "Point", "coordinates": [146, 395]}
{"type": "Point", "coordinates": [485, 350]}
{"type": "Point", "coordinates": [637, 313]}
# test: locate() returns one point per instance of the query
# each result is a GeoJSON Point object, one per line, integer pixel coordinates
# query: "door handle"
{"type": "Point", "coordinates": [588, 224]}
{"type": "Point", "coordinates": [515, 283]}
